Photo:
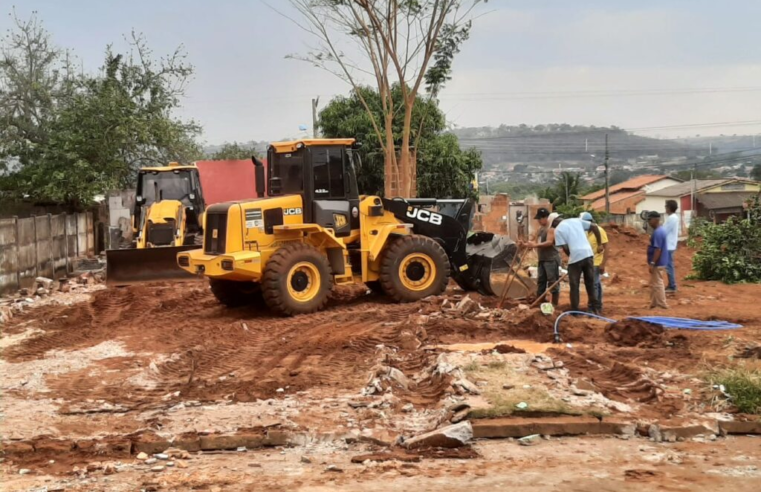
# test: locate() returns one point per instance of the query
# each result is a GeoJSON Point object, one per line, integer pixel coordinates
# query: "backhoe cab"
{"type": "Point", "coordinates": [168, 206]}
{"type": "Point", "coordinates": [314, 230]}
{"type": "Point", "coordinates": [167, 219]}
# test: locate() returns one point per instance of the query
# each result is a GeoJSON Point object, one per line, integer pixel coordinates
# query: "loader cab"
{"type": "Point", "coordinates": [322, 172]}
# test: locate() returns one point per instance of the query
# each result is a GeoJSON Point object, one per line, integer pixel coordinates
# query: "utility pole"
{"type": "Point", "coordinates": [607, 178]}
{"type": "Point", "coordinates": [314, 116]}
{"type": "Point", "coordinates": [586, 145]}
{"type": "Point", "coordinates": [694, 188]}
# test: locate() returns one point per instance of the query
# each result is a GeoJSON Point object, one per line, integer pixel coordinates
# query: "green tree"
{"type": "Point", "coordinates": [730, 251]}
{"type": "Point", "coordinates": [443, 168]}
{"type": "Point", "coordinates": [756, 172]}
{"type": "Point", "coordinates": [565, 191]}
{"type": "Point", "coordinates": [234, 151]}
{"type": "Point", "coordinates": [36, 78]}
{"type": "Point", "coordinates": [113, 124]}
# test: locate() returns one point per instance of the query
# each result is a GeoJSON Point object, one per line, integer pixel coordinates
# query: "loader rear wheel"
{"type": "Point", "coordinates": [235, 294]}
{"type": "Point", "coordinates": [414, 267]}
{"type": "Point", "coordinates": [297, 280]}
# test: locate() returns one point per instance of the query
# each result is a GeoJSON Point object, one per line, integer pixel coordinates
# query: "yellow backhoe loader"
{"type": "Point", "coordinates": [167, 219]}
{"type": "Point", "coordinates": [313, 230]}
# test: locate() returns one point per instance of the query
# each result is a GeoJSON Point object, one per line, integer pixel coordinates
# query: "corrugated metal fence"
{"type": "Point", "coordinates": [42, 246]}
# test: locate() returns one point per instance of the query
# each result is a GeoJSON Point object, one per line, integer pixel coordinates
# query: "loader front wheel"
{"type": "Point", "coordinates": [235, 294]}
{"type": "Point", "coordinates": [414, 267]}
{"type": "Point", "coordinates": [297, 280]}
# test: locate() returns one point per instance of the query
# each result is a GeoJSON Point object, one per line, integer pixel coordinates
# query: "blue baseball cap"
{"type": "Point", "coordinates": [586, 216]}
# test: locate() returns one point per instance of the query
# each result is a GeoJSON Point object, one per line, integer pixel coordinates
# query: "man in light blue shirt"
{"type": "Point", "coordinates": [571, 235]}
{"type": "Point", "coordinates": [671, 227]}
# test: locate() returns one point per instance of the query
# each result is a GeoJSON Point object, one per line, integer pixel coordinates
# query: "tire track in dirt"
{"type": "Point", "coordinates": [188, 346]}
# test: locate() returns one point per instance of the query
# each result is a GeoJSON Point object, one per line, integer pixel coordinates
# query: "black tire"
{"type": "Point", "coordinates": [235, 294]}
{"type": "Point", "coordinates": [284, 280]}
{"type": "Point", "coordinates": [427, 267]}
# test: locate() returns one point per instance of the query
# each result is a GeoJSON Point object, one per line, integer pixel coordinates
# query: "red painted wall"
{"type": "Point", "coordinates": [686, 202]}
{"type": "Point", "coordinates": [227, 181]}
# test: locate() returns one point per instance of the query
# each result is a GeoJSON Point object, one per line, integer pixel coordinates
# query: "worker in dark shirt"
{"type": "Point", "coordinates": [657, 259]}
{"type": "Point", "coordinates": [548, 268]}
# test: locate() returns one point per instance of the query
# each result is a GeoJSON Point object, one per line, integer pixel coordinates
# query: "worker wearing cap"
{"type": "Point", "coordinates": [548, 268]}
{"type": "Point", "coordinates": [601, 257]}
{"type": "Point", "coordinates": [657, 259]}
{"type": "Point", "coordinates": [571, 235]}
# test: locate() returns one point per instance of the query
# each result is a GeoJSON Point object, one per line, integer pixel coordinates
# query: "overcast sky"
{"type": "Point", "coordinates": [638, 64]}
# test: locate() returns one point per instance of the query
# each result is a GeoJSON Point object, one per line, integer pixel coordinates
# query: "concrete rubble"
{"type": "Point", "coordinates": [451, 436]}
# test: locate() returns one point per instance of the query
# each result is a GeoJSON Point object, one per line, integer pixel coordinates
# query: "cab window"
{"type": "Point", "coordinates": [328, 168]}
{"type": "Point", "coordinates": [290, 169]}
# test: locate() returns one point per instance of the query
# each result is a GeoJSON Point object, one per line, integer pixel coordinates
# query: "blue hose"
{"type": "Point", "coordinates": [666, 322]}
{"type": "Point", "coordinates": [557, 321]}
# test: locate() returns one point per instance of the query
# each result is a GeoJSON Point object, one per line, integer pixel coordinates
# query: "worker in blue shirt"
{"type": "Point", "coordinates": [657, 259]}
{"type": "Point", "coordinates": [571, 235]}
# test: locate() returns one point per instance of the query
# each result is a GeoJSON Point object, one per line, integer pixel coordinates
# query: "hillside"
{"type": "Point", "coordinates": [563, 142]}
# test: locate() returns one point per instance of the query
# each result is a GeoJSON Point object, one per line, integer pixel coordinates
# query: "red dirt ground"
{"type": "Point", "coordinates": [192, 348]}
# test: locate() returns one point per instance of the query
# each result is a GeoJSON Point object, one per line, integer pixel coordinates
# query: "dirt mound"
{"type": "Point", "coordinates": [508, 349]}
{"type": "Point", "coordinates": [523, 324]}
{"type": "Point", "coordinates": [632, 332]}
{"type": "Point", "coordinates": [622, 230]}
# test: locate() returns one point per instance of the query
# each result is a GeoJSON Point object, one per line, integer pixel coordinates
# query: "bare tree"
{"type": "Point", "coordinates": [390, 42]}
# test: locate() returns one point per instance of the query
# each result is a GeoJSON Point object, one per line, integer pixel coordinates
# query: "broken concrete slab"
{"type": "Point", "coordinates": [216, 442]}
{"type": "Point", "coordinates": [149, 444]}
{"type": "Point", "coordinates": [451, 436]}
{"type": "Point", "coordinates": [531, 440]}
{"type": "Point", "coordinates": [740, 427]}
{"type": "Point", "coordinates": [387, 456]}
{"type": "Point", "coordinates": [17, 448]}
{"type": "Point", "coordinates": [673, 431]}
{"type": "Point", "coordinates": [379, 437]}
{"type": "Point", "coordinates": [520, 427]}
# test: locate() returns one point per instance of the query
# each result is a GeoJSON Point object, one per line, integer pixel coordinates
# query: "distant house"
{"type": "Point", "coordinates": [714, 199]}
{"type": "Point", "coordinates": [625, 197]}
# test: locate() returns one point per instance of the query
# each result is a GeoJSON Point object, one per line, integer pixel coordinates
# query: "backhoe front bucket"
{"type": "Point", "coordinates": [489, 256]}
{"type": "Point", "coordinates": [130, 266]}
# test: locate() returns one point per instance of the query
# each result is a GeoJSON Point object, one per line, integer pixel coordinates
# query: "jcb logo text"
{"type": "Point", "coordinates": [424, 215]}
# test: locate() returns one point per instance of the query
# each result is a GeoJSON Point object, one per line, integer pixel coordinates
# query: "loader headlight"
{"type": "Point", "coordinates": [227, 265]}
{"type": "Point", "coordinates": [184, 261]}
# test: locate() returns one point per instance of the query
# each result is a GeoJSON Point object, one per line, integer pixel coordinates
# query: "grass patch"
{"type": "Point", "coordinates": [743, 385]}
{"type": "Point", "coordinates": [503, 402]}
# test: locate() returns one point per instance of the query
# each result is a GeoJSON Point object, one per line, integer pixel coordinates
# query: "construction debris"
{"type": "Point", "coordinates": [451, 436]}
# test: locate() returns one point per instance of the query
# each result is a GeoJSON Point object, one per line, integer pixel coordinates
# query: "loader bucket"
{"type": "Point", "coordinates": [130, 266]}
{"type": "Point", "coordinates": [489, 256]}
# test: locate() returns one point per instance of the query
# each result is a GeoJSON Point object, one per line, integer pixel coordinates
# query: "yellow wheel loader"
{"type": "Point", "coordinates": [313, 230]}
{"type": "Point", "coordinates": [167, 219]}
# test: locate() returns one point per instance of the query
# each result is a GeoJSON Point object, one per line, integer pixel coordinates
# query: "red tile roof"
{"type": "Point", "coordinates": [636, 183]}
{"type": "Point", "coordinates": [622, 202]}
